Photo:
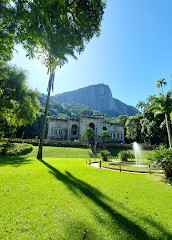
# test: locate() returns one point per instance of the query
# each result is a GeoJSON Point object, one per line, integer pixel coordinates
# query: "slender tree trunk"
{"type": "Point", "coordinates": [168, 129]}
{"type": "Point", "coordinates": [42, 135]}
{"type": "Point", "coordinates": [103, 143]}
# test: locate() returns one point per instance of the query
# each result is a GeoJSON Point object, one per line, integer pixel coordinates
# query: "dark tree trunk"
{"type": "Point", "coordinates": [168, 172]}
{"type": "Point", "coordinates": [42, 135]}
{"type": "Point", "coordinates": [168, 129]}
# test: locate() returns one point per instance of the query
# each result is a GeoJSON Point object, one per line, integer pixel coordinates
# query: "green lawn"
{"type": "Point", "coordinates": [62, 152]}
{"type": "Point", "coordinates": [142, 158]}
{"type": "Point", "coordinates": [58, 198]}
{"type": "Point", "coordinates": [131, 166]}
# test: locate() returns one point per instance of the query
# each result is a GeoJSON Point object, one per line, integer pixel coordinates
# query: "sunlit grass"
{"type": "Point", "coordinates": [131, 166]}
{"type": "Point", "coordinates": [58, 198]}
{"type": "Point", "coordinates": [143, 156]}
{"type": "Point", "coordinates": [62, 152]}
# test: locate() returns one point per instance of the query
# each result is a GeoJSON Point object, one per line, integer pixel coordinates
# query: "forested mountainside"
{"type": "Point", "coordinates": [66, 110]}
{"type": "Point", "coordinates": [99, 98]}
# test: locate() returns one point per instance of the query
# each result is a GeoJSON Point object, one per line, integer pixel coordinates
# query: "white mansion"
{"type": "Point", "coordinates": [71, 129]}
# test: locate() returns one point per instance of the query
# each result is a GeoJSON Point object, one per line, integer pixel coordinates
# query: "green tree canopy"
{"type": "Point", "coordinates": [54, 30]}
{"type": "Point", "coordinates": [57, 29]}
{"type": "Point", "coordinates": [133, 128]}
{"type": "Point", "coordinates": [163, 105]}
{"type": "Point", "coordinates": [121, 120]}
{"type": "Point", "coordinates": [88, 133]}
{"type": "Point", "coordinates": [104, 135]}
{"type": "Point", "coordinates": [19, 105]}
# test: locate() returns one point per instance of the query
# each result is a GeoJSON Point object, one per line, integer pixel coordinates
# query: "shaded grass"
{"type": "Point", "coordinates": [59, 198]}
{"type": "Point", "coordinates": [15, 161]}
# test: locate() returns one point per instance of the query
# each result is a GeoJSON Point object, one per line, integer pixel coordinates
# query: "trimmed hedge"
{"type": "Point", "coordinates": [53, 143]}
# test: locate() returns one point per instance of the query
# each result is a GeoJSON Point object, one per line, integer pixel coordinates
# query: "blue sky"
{"type": "Point", "coordinates": [133, 51]}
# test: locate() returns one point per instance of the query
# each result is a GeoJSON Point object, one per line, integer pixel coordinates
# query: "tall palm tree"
{"type": "Point", "coordinates": [160, 83]}
{"type": "Point", "coordinates": [141, 105]}
{"type": "Point", "coordinates": [163, 105]}
{"type": "Point", "coordinates": [50, 87]}
{"type": "Point", "coordinates": [104, 135]}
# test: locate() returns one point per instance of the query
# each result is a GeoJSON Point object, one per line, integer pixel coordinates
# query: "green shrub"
{"type": "Point", "coordinates": [12, 149]}
{"type": "Point", "coordinates": [124, 155]}
{"type": "Point", "coordinates": [104, 154]}
{"type": "Point", "coordinates": [163, 158]}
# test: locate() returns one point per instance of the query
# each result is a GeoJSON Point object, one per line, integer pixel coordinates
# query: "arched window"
{"type": "Point", "coordinates": [91, 125]}
{"type": "Point", "coordinates": [74, 129]}
{"type": "Point", "coordinates": [116, 134]}
{"type": "Point", "coordinates": [104, 128]}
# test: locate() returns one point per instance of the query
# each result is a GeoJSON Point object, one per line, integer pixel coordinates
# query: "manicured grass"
{"type": "Point", "coordinates": [62, 152]}
{"type": "Point", "coordinates": [144, 154]}
{"type": "Point", "coordinates": [58, 198]}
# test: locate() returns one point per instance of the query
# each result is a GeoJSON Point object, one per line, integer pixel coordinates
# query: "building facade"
{"type": "Point", "coordinates": [71, 129]}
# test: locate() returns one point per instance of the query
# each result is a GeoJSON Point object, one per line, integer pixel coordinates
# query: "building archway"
{"type": "Point", "coordinates": [91, 125]}
{"type": "Point", "coordinates": [74, 129]}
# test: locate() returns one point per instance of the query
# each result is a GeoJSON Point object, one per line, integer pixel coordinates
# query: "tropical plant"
{"type": "Point", "coordinates": [163, 105]}
{"type": "Point", "coordinates": [133, 128]}
{"type": "Point", "coordinates": [104, 154]}
{"type": "Point", "coordinates": [75, 25]}
{"type": "Point", "coordinates": [124, 155]}
{"type": "Point", "coordinates": [120, 120]}
{"type": "Point", "coordinates": [88, 133]}
{"type": "Point", "coordinates": [141, 105]}
{"type": "Point", "coordinates": [163, 158]}
{"type": "Point", "coordinates": [161, 83]}
{"type": "Point", "coordinates": [51, 30]}
{"type": "Point", "coordinates": [19, 105]}
{"type": "Point", "coordinates": [104, 135]}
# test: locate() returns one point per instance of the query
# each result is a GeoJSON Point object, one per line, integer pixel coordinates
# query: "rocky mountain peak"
{"type": "Point", "coordinates": [99, 97]}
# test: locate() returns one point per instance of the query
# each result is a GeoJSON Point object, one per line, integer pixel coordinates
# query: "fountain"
{"type": "Point", "coordinates": [137, 150]}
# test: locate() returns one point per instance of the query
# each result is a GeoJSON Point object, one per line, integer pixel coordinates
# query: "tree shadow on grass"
{"type": "Point", "coordinates": [79, 187]}
{"type": "Point", "coordinates": [14, 161]}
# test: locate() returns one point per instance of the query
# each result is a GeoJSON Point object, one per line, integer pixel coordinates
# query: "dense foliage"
{"type": "Point", "coordinates": [19, 105]}
{"type": "Point", "coordinates": [15, 149]}
{"type": "Point", "coordinates": [88, 134]}
{"type": "Point", "coordinates": [124, 155]}
{"type": "Point", "coordinates": [56, 28]}
{"type": "Point", "coordinates": [104, 154]}
{"type": "Point", "coordinates": [120, 120]}
{"type": "Point", "coordinates": [104, 135]}
{"type": "Point", "coordinates": [153, 125]}
{"type": "Point", "coordinates": [163, 158]}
